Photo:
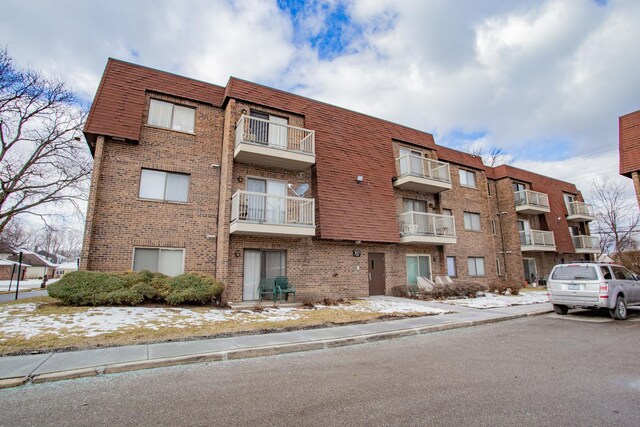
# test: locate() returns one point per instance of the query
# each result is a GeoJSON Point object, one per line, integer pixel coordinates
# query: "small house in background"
{"type": "Point", "coordinates": [7, 251]}
{"type": "Point", "coordinates": [64, 268]}
{"type": "Point", "coordinates": [38, 266]}
{"type": "Point", "coordinates": [8, 267]}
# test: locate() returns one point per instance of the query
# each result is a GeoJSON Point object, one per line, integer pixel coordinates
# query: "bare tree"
{"type": "Point", "coordinates": [44, 165]}
{"type": "Point", "coordinates": [17, 234]}
{"type": "Point", "coordinates": [617, 218]}
{"type": "Point", "coordinates": [491, 156]}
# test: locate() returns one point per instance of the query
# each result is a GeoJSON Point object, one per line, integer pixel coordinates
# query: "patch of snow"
{"type": "Point", "coordinates": [23, 320]}
{"type": "Point", "coordinates": [499, 301]}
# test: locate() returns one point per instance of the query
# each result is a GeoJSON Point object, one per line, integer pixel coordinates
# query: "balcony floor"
{"type": "Point", "coordinates": [419, 183]}
{"type": "Point", "coordinates": [264, 155]}
{"type": "Point", "coordinates": [532, 209]}
{"type": "Point", "coordinates": [580, 217]}
{"type": "Point", "coordinates": [428, 240]}
{"type": "Point", "coordinates": [588, 251]}
{"type": "Point", "coordinates": [537, 248]}
{"type": "Point", "coordinates": [245, 228]}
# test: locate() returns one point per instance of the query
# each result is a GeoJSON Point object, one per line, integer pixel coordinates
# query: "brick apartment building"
{"type": "Point", "coordinates": [629, 140]}
{"type": "Point", "coordinates": [245, 181]}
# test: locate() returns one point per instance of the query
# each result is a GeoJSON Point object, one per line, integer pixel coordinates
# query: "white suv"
{"type": "Point", "coordinates": [593, 285]}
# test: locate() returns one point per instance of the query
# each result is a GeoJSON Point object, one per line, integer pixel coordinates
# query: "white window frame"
{"type": "Point", "coordinates": [489, 188]}
{"type": "Point", "coordinates": [164, 192]}
{"type": "Point", "coordinates": [466, 173]}
{"type": "Point", "coordinates": [173, 107]}
{"type": "Point", "coordinates": [419, 255]}
{"type": "Point", "coordinates": [464, 217]}
{"type": "Point", "coordinates": [484, 266]}
{"type": "Point", "coordinates": [159, 248]}
{"type": "Point", "coordinates": [455, 266]}
{"type": "Point", "coordinates": [494, 228]}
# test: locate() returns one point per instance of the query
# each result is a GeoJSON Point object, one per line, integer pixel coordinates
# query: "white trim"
{"type": "Point", "coordinates": [133, 254]}
{"type": "Point", "coordinates": [419, 255]}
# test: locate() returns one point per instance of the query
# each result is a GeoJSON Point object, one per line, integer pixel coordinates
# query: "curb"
{"type": "Point", "coordinates": [253, 352]}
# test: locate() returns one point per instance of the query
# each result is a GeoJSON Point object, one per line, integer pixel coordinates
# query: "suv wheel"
{"type": "Point", "coordinates": [620, 312]}
{"type": "Point", "coordinates": [560, 309]}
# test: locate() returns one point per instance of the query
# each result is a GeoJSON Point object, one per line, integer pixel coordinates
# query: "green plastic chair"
{"type": "Point", "coordinates": [283, 287]}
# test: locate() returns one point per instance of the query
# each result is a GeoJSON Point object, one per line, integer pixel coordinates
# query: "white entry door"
{"type": "Point", "coordinates": [251, 275]}
{"type": "Point", "coordinates": [278, 132]}
{"type": "Point", "coordinates": [276, 202]}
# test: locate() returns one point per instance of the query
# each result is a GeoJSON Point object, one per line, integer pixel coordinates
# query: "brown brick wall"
{"type": "Point", "coordinates": [636, 184]}
{"type": "Point", "coordinates": [119, 220]}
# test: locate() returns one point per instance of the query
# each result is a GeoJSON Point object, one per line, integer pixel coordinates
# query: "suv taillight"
{"type": "Point", "coordinates": [604, 290]}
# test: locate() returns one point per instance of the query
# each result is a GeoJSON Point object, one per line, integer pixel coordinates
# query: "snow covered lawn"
{"type": "Point", "coordinates": [46, 324]}
{"type": "Point", "coordinates": [497, 301]}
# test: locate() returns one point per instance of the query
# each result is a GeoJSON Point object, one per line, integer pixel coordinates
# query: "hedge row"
{"type": "Point", "coordinates": [133, 288]}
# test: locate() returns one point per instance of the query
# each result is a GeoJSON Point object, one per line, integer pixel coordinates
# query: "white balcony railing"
{"type": "Point", "coordinates": [264, 208]}
{"type": "Point", "coordinates": [586, 242]}
{"type": "Point", "coordinates": [275, 135]}
{"type": "Point", "coordinates": [426, 224]}
{"type": "Point", "coordinates": [580, 209]}
{"type": "Point", "coordinates": [531, 198]}
{"type": "Point", "coordinates": [537, 238]}
{"type": "Point", "coordinates": [410, 164]}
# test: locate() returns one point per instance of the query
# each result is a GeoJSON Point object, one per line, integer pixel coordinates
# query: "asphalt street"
{"type": "Point", "coordinates": [581, 369]}
{"type": "Point", "coordinates": [22, 295]}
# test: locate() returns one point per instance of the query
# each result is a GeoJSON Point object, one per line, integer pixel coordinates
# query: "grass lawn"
{"type": "Point", "coordinates": [43, 324]}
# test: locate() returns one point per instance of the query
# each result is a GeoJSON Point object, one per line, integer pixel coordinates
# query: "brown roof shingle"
{"type": "Point", "coordinates": [629, 134]}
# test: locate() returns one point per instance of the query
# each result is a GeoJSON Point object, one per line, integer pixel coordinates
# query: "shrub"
{"type": "Point", "coordinates": [457, 289]}
{"type": "Point", "coordinates": [133, 288]}
{"type": "Point", "coordinates": [401, 291]}
{"type": "Point", "coordinates": [501, 286]}
{"type": "Point", "coordinates": [194, 288]}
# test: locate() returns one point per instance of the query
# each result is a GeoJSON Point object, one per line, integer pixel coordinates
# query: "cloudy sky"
{"type": "Point", "coordinates": [545, 80]}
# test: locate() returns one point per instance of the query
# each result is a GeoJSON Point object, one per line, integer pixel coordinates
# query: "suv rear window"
{"type": "Point", "coordinates": [575, 272]}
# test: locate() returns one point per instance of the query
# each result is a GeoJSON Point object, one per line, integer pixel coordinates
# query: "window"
{"type": "Point", "coordinates": [159, 185]}
{"type": "Point", "coordinates": [471, 221]}
{"type": "Point", "coordinates": [451, 266]}
{"type": "Point", "coordinates": [270, 130]}
{"type": "Point", "coordinates": [498, 270]}
{"type": "Point", "coordinates": [270, 208]}
{"type": "Point", "coordinates": [517, 186]}
{"type": "Point", "coordinates": [447, 212]}
{"type": "Point", "coordinates": [411, 162]}
{"type": "Point", "coordinates": [575, 272]}
{"type": "Point", "coordinates": [161, 260]}
{"type": "Point", "coordinates": [476, 266]}
{"type": "Point", "coordinates": [418, 266]}
{"type": "Point", "coordinates": [414, 205]}
{"type": "Point", "coordinates": [467, 178]}
{"type": "Point", "coordinates": [489, 188]}
{"type": "Point", "coordinates": [171, 116]}
{"type": "Point", "coordinates": [622, 273]}
{"type": "Point", "coordinates": [493, 227]}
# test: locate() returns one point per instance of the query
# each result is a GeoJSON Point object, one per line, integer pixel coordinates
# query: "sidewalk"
{"type": "Point", "coordinates": [18, 370]}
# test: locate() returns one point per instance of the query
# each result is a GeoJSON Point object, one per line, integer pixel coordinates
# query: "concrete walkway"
{"type": "Point", "coordinates": [36, 368]}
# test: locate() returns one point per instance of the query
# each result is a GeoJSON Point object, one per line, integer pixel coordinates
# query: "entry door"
{"type": "Point", "coordinates": [276, 203]}
{"type": "Point", "coordinates": [256, 203]}
{"type": "Point", "coordinates": [251, 275]}
{"type": "Point", "coordinates": [523, 225]}
{"type": "Point", "coordinates": [376, 274]}
{"type": "Point", "coordinates": [530, 272]}
{"type": "Point", "coordinates": [278, 132]}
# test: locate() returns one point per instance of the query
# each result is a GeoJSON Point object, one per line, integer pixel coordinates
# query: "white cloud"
{"type": "Point", "coordinates": [523, 72]}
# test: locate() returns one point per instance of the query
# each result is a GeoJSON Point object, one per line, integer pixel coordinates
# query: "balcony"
{"type": "Point", "coordinates": [265, 143]}
{"type": "Point", "coordinates": [586, 244]}
{"type": "Point", "coordinates": [260, 214]}
{"type": "Point", "coordinates": [580, 211]}
{"type": "Point", "coordinates": [426, 228]}
{"type": "Point", "coordinates": [422, 174]}
{"type": "Point", "coordinates": [537, 241]}
{"type": "Point", "coordinates": [531, 202]}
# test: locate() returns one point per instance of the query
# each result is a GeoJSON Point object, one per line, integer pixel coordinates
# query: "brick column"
{"type": "Point", "coordinates": [636, 183]}
{"type": "Point", "coordinates": [93, 195]}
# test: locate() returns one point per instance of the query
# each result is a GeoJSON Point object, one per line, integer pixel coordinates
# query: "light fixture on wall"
{"type": "Point", "coordinates": [237, 253]}
{"type": "Point", "coordinates": [240, 179]}
{"type": "Point", "coordinates": [359, 179]}
{"type": "Point", "coordinates": [244, 111]}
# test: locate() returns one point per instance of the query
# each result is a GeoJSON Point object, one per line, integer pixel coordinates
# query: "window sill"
{"type": "Point", "coordinates": [170, 130]}
{"type": "Point", "coordinates": [170, 202]}
{"type": "Point", "coordinates": [473, 231]}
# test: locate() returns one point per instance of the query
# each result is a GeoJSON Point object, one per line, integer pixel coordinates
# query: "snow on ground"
{"type": "Point", "coordinates": [24, 284]}
{"type": "Point", "coordinates": [24, 320]}
{"type": "Point", "coordinates": [497, 301]}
